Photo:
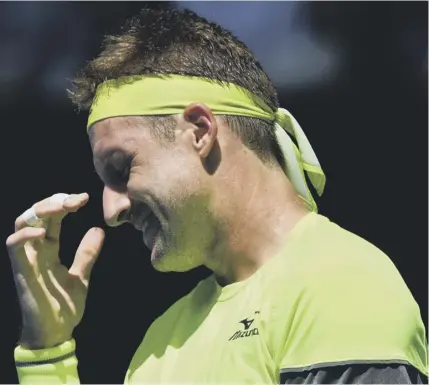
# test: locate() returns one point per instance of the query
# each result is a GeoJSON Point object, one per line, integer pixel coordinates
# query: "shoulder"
{"type": "Point", "coordinates": [340, 298]}
{"type": "Point", "coordinates": [330, 265]}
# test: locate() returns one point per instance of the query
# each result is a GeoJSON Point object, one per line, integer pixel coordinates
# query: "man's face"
{"type": "Point", "coordinates": [158, 187]}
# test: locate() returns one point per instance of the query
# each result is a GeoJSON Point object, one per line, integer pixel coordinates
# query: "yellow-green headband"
{"type": "Point", "coordinates": [171, 94]}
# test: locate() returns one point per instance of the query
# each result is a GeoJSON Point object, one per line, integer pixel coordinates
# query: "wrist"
{"type": "Point", "coordinates": [25, 356]}
{"type": "Point", "coordinates": [35, 341]}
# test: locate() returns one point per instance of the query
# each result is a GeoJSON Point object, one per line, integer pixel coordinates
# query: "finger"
{"type": "Point", "coordinates": [21, 263]}
{"type": "Point", "coordinates": [87, 253]}
{"type": "Point", "coordinates": [49, 207]}
{"type": "Point", "coordinates": [18, 239]}
{"type": "Point", "coordinates": [71, 204]}
{"type": "Point", "coordinates": [52, 211]}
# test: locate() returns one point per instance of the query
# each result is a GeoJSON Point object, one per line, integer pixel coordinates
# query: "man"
{"type": "Point", "coordinates": [191, 145]}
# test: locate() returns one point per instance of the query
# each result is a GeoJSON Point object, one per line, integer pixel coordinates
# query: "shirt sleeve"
{"type": "Point", "coordinates": [57, 365]}
{"type": "Point", "coordinates": [355, 373]}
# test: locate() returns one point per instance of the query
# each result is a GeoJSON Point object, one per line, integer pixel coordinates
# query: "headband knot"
{"type": "Point", "coordinates": [300, 159]}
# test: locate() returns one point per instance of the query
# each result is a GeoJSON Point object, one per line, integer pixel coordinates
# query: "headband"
{"type": "Point", "coordinates": [171, 94]}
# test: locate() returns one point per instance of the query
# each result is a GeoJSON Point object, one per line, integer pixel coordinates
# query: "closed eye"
{"type": "Point", "coordinates": [116, 171]}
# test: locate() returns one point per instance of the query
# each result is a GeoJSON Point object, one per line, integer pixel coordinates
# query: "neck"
{"type": "Point", "coordinates": [258, 208]}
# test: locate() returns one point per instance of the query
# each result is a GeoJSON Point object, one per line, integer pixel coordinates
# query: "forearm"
{"type": "Point", "coordinates": [57, 365]}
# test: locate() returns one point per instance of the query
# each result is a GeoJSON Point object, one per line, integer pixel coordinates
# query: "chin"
{"type": "Point", "coordinates": [170, 262]}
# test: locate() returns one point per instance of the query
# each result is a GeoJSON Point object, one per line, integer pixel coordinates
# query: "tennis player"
{"type": "Point", "coordinates": [194, 151]}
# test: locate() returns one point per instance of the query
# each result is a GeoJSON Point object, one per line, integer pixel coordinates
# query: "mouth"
{"type": "Point", "coordinates": [150, 229]}
{"type": "Point", "coordinates": [149, 224]}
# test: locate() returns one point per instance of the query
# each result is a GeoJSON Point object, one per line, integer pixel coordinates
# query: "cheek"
{"type": "Point", "coordinates": [173, 175]}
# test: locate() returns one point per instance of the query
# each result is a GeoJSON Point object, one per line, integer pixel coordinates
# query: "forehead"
{"type": "Point", "coordinates": [120, 133]}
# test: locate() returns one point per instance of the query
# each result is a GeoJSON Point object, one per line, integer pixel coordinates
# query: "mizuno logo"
{"type": "Point", "coordinates": [246, 323]}
{"type": "Point", "coordinates": [246, 333]}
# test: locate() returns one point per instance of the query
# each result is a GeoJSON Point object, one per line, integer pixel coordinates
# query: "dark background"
{"type": "Point", "coordinates": [353, 74]}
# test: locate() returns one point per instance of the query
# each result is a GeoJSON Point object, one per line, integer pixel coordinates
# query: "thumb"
{"type": "Point", "coordinates": [87, 254]}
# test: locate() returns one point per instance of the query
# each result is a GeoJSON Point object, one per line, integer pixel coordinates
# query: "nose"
{"type": "Point", "coordinates": [115, 206]}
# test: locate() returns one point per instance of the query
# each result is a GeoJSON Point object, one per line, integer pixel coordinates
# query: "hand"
{"type": "Point", "coordinates": [52, 298]}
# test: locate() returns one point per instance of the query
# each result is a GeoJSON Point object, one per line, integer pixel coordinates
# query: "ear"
{"type": "Point", "coordinates": [205, 132]}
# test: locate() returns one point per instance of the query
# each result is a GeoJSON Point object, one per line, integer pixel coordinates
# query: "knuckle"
{"type": "Point", "coordinates": [39, 206]}
{"type": "Point", "coordinates": [90, 250]}
{"type": "Point", "coordinates": [11, 241]}
{"type": "Point", "coordinates": [19, 221]}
